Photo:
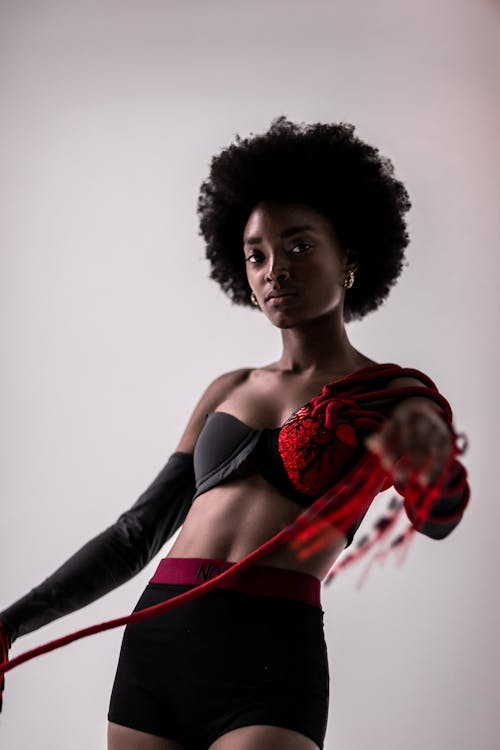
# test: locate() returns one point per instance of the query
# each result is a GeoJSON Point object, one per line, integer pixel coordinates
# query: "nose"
{"type": "Point", "coordinates": [277, 270]}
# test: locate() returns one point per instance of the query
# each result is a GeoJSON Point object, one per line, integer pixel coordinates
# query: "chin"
{"type": "Point", "coordinates": [289, 319]}
{"type": "Point", "coordinates": [299, 317]}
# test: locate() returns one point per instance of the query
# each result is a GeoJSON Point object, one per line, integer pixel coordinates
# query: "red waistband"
{"type": "Point", "coordinates": [258, 579]}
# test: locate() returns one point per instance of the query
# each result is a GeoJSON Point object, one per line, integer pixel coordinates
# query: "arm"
{"type": "Point", "coordinates": [446, 512]}
{"type": "Point", "coordinates": [112, 557]}
{"type": "Point", "coordinates": [419, 446]}
{"type": "Point", "coordinates": [125, 548]}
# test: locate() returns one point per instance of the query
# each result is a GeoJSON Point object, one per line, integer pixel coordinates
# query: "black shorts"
{"type": "Point", "coordinates": [226, 660]}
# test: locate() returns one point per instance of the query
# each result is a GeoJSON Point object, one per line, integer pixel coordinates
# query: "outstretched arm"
{"type": "Point", "coordinates": [126, 547]}
{"type": "Point", "coordinates": [112, 557]}
{"type": "Point", "coordinates": [416, 444]}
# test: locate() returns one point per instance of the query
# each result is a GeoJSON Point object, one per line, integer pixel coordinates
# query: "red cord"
{"type": "Point", "coordinates": [311, 532]}
{"type": "Point", "coordinates": [368, 467]}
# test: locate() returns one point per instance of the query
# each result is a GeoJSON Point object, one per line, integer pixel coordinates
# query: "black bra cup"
{"type": "Point", "coordinates": [222, 446]}
{"type": "Point", "coordinates": [226, 442]}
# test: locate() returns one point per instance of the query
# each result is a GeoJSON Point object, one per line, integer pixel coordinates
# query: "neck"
{"type": "Point", "coordinates": [319, 346]}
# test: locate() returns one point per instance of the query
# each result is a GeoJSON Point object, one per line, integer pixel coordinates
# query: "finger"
{"type": "Point", "coordinates": [416, 443]}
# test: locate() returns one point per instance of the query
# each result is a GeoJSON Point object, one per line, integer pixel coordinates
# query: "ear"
{"type": "Point", "coordinates": [351, 262]}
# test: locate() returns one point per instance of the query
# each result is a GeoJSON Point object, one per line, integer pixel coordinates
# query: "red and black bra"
{"type": "Point", "coordinates": [317, 445]}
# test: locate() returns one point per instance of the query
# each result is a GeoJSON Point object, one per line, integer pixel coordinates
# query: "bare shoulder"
{"type": "Point", "coordinates": [218, 390]}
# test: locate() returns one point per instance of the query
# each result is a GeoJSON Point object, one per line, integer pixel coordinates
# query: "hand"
{"type": "Point", "coordinates": [415, 442]}
{"type": "Point", "coordinates": [4, 650]}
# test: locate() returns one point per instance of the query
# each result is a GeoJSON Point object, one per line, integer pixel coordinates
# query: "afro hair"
{"type": "Point", "coordinates": [326, 167]}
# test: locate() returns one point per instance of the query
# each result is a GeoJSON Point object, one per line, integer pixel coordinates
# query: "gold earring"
{"type": "Point", "coordinates": [349, 279]}
{"type": "Point", "coordinates": [254, 300]}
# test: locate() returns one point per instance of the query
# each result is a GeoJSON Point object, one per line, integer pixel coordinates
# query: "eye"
{"type": "Point", "coordinates": [254, 257]}
{"type": "Point", "coordinates": [302, 246]}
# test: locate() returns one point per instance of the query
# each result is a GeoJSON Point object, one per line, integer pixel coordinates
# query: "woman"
{"type": "Point", "coordinates": [306, 224]}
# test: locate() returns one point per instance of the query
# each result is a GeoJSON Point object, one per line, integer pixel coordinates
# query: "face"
{"type": "Point", "coordinates": [291, 250]}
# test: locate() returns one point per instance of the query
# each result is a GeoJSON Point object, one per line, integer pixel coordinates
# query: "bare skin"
{"type": "Point", "coordinates": [247, 511]}
{"type": "Point", "coordinates": [230, 521]}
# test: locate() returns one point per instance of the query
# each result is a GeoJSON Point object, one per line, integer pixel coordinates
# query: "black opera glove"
{"type": "Point", "coordinates": [419, 446]}
{"type": "Point", "coordinates": [112, 557]}
{"type": "Point", "coordinates": [446, 512]}
{"type": "Point", "coordinates": [4, 655]}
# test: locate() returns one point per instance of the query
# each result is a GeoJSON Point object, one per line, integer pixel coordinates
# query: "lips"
{"type": "Point", "coordinates": [281, 293]}
{"type": "Point", "coordinates": [284, 299]}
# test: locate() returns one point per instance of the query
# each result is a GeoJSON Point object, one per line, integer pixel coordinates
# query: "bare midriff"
{"type": "Point", "coordinates": [233, 519]}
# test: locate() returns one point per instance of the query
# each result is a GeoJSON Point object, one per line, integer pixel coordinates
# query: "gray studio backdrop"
{"type": "Point", "coordinates": [110, 328]}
